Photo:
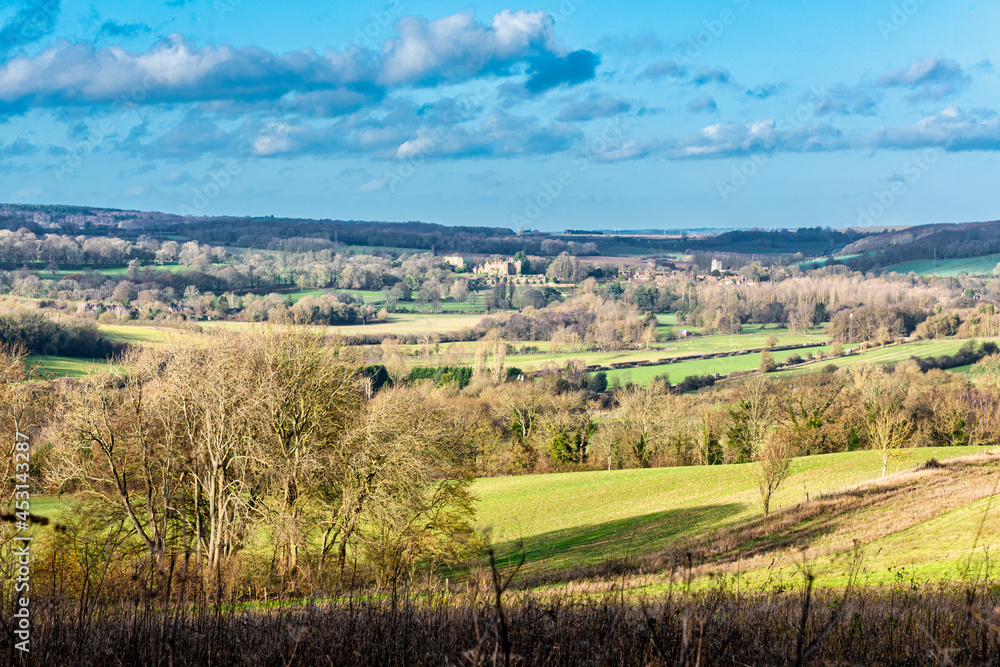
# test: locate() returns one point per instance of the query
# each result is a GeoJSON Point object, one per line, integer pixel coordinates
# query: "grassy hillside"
{"type": "Point", "coordinates": [722, 365]}
{"type": "Point", "coordinates": [948, 267]}
{"type": "Point", "coordinates": [887, 355]}
{"type": "Point", "coordinates": [65, 366]}
{"type": "Point", "coordinates": [463, 353]}
{"type": "Point", "coordinates": [579, 520]}
{"type": "Point", "coordinates": [398, 323]}
{"type": "Point", "coordinates": [139, 335]}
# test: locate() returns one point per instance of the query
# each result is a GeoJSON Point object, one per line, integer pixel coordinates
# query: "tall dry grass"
{"type": "Point", "coordinates": [174, 618]}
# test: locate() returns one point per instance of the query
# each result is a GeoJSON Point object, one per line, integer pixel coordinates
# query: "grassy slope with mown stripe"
{"type": "Point", "coordinates": [572, 520]}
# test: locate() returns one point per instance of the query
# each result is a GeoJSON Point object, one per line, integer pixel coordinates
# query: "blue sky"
{"type": "Point", "coordinates": [563, 114]}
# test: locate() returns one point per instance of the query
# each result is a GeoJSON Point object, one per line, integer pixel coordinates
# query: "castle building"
{"type": "Point", "coordinates": [507, 267]}
{"type": "Point", "coordinates": [456, 260]}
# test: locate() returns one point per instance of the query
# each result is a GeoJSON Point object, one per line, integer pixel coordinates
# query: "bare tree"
{"type": "Point", "coordinates": [751, 419]}
{"type": "Point", "coordinates": [887, 426]}
{"type": "Point", "coordinates": [309, 392]}
{"type": "Point", "coordinates": [639, 420]}
{"type": "Point", "coordinates": [774, 462]}
{"type": "Point", "coordinates": [401, 481]}
{"type": "Point", "coordinates": [114, 449]}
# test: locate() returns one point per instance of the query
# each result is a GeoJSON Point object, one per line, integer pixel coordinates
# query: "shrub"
{"type": "Point", "coordinates": [767, 363]}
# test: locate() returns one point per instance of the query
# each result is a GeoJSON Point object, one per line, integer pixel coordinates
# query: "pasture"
{"type": "Point", "coordinates": [569, 521]}
{"type": "Point", "coordinates": [397, 324]}
{"type": "Point", "coordinates": [72, 367]}
{"type": "Point", "coordinates": [139, 335]}
{"type": "Point", "coordinates": [722, 365]}
{"type": "Point", "coordinates": [948, 267]}
{"type": "Point", "coordinates": [890, 354]}
{"type": "Point", "coordinates": [463, 353]}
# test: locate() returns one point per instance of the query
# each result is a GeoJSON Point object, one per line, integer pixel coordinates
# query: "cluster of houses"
{"type": "Point", "coordinates": [86, 308]}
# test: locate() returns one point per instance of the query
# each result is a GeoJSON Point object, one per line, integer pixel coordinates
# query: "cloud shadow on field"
{"type": "Point", "coordinates": [631, 536]}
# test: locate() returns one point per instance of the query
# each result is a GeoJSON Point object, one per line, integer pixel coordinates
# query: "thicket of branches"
{"type": "Point", "coordinates": [254, 448]}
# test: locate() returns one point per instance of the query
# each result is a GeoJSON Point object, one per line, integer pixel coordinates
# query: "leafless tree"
{"type": "Point", "coordinates": [774, 462]}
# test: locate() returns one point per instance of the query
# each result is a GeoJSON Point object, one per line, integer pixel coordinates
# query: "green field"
{"type": "Point", "coordinates": [948, 267]}
{"type": "Point", "coordinates": [399, 324]}
{"type": "Point", "coordinates": [462, 353]}
{"type": "Point", "coordinates": [113, 271]}
{"type": "Point", "coordinates": [65, 366]}
{"type": "Point", "coordinates": [473, 304]}
{"type": "Point", "coordinates": [572, 520]}
{"type": "Point", "coordinates": [887, 355]}
{"type": "Point", "coordinates": [138, 335]}
{"type": "Point", "coordinates": [722, 365]}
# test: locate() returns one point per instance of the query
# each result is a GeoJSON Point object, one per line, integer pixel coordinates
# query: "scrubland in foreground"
{"type": "Point", "coordinates": [484, 625]}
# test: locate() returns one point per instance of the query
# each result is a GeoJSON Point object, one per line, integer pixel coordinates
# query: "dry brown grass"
{"type": "Point", "coordinates": [719, 626]}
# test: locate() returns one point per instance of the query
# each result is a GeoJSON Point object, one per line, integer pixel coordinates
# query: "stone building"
{"type": "Point", "coordinates": [456, 260]}
{"type": "Point", "coordinates": [503, 267]}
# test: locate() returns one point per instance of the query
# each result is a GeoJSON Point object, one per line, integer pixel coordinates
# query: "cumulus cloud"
{"type": "Point", "coordinates": [732, 140]}
{"type": "Point", "coordinates": [762, 136]}
{"type": "Point", "coordinates": [19, 147]}
{"type": "Point", "coordinates": [331, 103]}
{"type": "Point", "coordinates": [842, 100]}
{"type": "Point", "coordinates": [500, 135]}
{"type": "Point", "coordinates": [952, 129]}
{"type": "Point", "coordinates": [191, 137]}
{"type": "Point", "coordinates": [630, 149]}
{"type": "Point", "coordinates": [457, 47]}
{"type": "Point", "coordinates": [124, 30]}
{"type": "Point", "coordinates": [593, 106]}
{"type": "Point", "coordinates": [549, 71]}
{"type": "Point", "coordinates": [453, 49]}
{"type": "Point", "coordinates": [928, 79]}
{"type": "Point", "coordinates": [703, 104]}
{"type": "Point", "coordinates": [708, 75]}
{"type": "Point", "coordinates": [766, 90]}
{"type": "Point", "coordinates": [663, 69]}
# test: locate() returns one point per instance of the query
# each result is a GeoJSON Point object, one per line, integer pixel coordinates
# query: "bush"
{"type": "Point", "coordinates": [599, 382]}
{"type": "Point", "coordinates": [41, 335]}
{"type": "Point", "coordinates": [694, 383]}
{"type": "Point", "coordinates": [513, 373]}
{"type": "Point", "coordinates": [767, 363]}
{"type": "Point", "coordinates": [442, 375]}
